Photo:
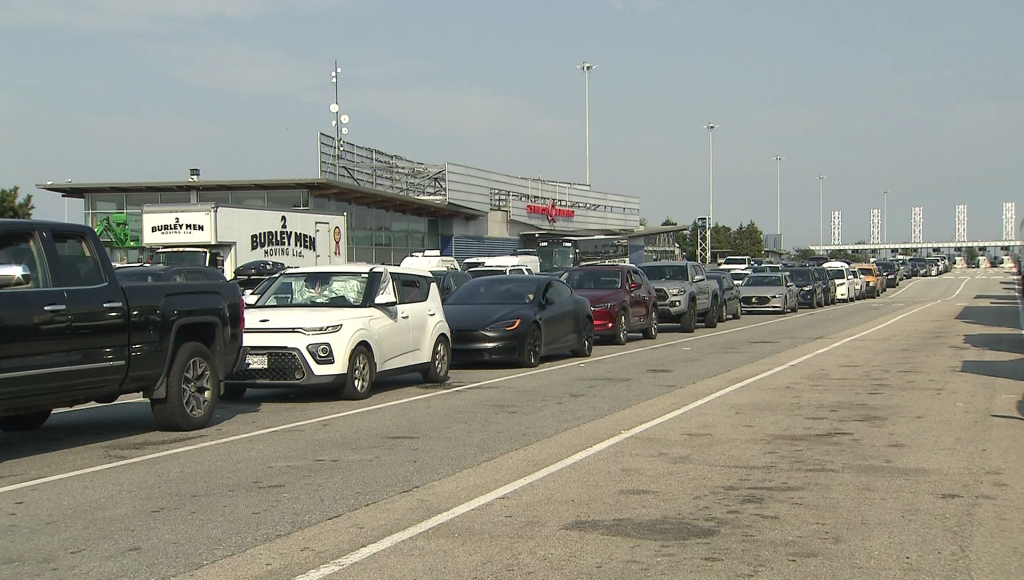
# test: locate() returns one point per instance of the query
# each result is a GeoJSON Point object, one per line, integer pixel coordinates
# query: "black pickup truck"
{"type": "Point", "coordinates": [70, 333]}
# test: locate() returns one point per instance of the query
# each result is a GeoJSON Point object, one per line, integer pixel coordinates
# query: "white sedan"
{"type": "Point", "coordinates": [343, 326]}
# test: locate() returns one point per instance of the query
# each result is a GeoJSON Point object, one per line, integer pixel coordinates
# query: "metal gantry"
{"type": "Point", "coordinates": [917, 224]}
{"type": "Point", "coordinates": [704, 240]}
{"type": "Point", "coordinates": [837, 227]}
{"type": "Point", "coordinates": [1009, 220]}
{"type": "Point", "coordinates": [876, 225]}
{"type": "Point", "coordinates": [961, 222]}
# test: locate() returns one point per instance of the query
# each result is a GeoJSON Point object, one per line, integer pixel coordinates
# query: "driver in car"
{"type": "Point", "coordinates": [315, 288]}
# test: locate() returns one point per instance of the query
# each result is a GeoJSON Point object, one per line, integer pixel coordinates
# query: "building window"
{"type": "Point", "coordinates": [285, 199]}
{"type": "Point", "coordinates": [137, 200]}
{"type": "Point", "coordinates": [223, 197]}
{"type": "Point", "coordinates": [177, 197]}
{"type": "Point", "coordinates": [249, 198]}
{"type": "Point", "coordinates": [107, 202]}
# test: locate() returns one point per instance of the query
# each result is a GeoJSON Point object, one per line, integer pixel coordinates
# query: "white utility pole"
{"type": "Point", "coordinates": [778, 193]}
{"type": "Point", "coordinates": [586, 67]}
{"type": "Point", "coordinates": [821, 209]}
{"type": "Point", "coordinates": [711, 185]}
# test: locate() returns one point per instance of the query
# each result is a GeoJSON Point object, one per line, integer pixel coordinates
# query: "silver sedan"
{"type": "Point", "coordinates": [773, 292]}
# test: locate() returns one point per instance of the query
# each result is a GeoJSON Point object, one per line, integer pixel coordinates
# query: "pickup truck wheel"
{"type": "Point", "coordinates": [587, 345]}
{"type": "Point", "coordinates": [688, 322]}
{"type": "Point", "coordinates": [621, 329]}
{"type": "Point", "coordinates": [711, 316]}
{"type": "Point", "coordinates": [25, 421]}
{"type": "Point", "coordinates": [652, 331]}
{"type": "Point", "coordinates": [233, 392]}
{"type": "Point", "coordinates": [359, 378]}
{"type": "Point", "coordinates": [440, 361]}
{"type": "Point", "coordinates": [192, 389]}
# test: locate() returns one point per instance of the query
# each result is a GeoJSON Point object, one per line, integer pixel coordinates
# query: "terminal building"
{"type": "Point", "coordinates": [393, 206]}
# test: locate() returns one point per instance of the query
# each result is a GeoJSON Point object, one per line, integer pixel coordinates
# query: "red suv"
{"type": "Point", "coordinates": [621, 298]}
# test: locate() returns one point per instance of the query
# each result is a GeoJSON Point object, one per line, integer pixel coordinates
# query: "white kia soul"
{"type": "Point", "coordinates": [343, 326]}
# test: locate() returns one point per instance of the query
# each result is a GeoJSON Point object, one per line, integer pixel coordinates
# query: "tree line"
{"type": "Point", "coordinates": [745, 240]}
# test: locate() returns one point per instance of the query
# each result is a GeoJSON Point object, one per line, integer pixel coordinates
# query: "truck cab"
{"type": "Point", "coordinates": [202, 257]}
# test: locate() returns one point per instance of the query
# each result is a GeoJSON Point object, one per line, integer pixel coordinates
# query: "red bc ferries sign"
{"type": "Point", "coordinates": [552, 211]}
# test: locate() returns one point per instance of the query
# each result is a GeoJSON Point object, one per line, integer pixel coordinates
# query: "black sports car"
{"type": "Point", "coordinates": [518, 318]}
{"type": "Point", "coordinates": [259, 268]}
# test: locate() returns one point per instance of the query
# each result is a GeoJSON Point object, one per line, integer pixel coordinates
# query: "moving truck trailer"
{"type": "Point", "coordinates": [225, 237]}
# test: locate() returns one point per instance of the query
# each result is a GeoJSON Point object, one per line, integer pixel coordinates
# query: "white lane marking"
{"type": "Point", "coordinates": [1020, 307]}
{"type": "Point", "coordinates": [242, 436]}
{"type": "Point", "coordinates": [417, 529]}
{"type": "Point", "coordinates": [898, 292]}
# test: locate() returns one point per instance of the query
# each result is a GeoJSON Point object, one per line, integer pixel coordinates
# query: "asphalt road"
{"type": "Point", "coordinates": [878, 439]}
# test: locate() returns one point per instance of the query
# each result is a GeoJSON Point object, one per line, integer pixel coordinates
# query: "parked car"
{"type": "Point", "coordinates": [259, 268]}
{"type": "Point", "coordinates": [621, 298]}
{"type": "Point", "coordinates": [429, 260]}
{"type": "Point", "coordinates": [448, 281]}
{"type": "Point", "coordinates": [142, 274]}
{"type": "Point", "coordinates": [810, 290]}
{"type": "Point", "coordinates": [684, 293]}
{"type": "Point", "coordinates": [935, 266]}
{"type": "Point", "coordinates": [738, 275]}
{"type": "Point", "coordinates": [737, 263]}
{"type": "Point", "coordinates": [766, 268]}
{"type": "Point", "coordinates": [828, 285]}
{"type": "Point", "coordinates": [518, 319]}
{"type": "Point", "coordinates": [70, 333]}
{"type": "Point", "coordinates": [729, 293]}
{"type": "Point", "coordinates": [860, 291]}
{"type": "Point", "coordinates": [840, 273]}
{"type": "Point", "coordinates": [344, 327]}
{"type": "Point", "coordinates": [774, 291]}
{"type": "Point", "coordinates": [923, 268]}
{"type": "Point", "coordinates": [891, 273]}
{"type": "Point", "coordinates": [873, 280]}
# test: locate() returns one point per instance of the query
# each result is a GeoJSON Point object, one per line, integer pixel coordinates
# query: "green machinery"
{"type": "Point", "coordinates": [114, 228]}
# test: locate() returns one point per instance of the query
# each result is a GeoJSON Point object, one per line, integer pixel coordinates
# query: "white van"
{"type": "Point", "coordinates": [430, 260]}
{"type": "Point", "coordinates": [470, 263]}
{"type": "Point", "coordinates": [531, 263]}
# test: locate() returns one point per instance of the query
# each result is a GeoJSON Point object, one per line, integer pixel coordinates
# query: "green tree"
{"type": "Point", "coordinates": [748, 240]}
{"type": "Point", "coordinates": [721, 237]}
{"type": "Point", "coordinates": [971, 255]}
{"type": "Point", "coordinates": [803, 254]}
{"type": "Point", "coordinates": [669, 222]}
{"type": "Point", "coordinates": [688, 241]}
{"type": "Point", "coordinates": [10, 207]}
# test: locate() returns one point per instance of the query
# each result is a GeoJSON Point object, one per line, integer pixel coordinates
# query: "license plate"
{"type": "Point", "coordinates": [256, 361]}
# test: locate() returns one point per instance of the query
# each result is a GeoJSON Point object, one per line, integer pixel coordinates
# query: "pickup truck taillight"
{"type": "Point", "coordinates": [241, 311]}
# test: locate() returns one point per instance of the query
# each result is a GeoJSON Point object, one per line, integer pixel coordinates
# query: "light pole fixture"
{"type": "Point", "coordinates": [711, 186]}
{"type": "Point", "coordinates": [339, 122]}
{"type": "Point", "coordinates": [821, 209]}
{"type": "Point", "coordinates": [778, 193]}
{"type": "Point", "coordinates": [586, 67]}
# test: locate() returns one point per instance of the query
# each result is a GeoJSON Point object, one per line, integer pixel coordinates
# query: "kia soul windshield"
{"type": "Point", "coordinates": [316, 289]}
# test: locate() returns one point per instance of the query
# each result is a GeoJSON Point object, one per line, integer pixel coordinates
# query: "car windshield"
{"type": "Point", "coordinates": [763, 280]}
{"type": "Point", "coordinates": [593, 279]}
{"type": "Point", "coordinates": [180, 258]}
{"type": "Point", "coordinates": [836, 274]}
{"type": "Point", "coordinates": [337, 289]}
{"type": "Point", "coordinates": [495, 291]}
{"type": "Point", "coordinates": [554, 257]}
{"type": "Point", "coordinates": [738, 276]}
{"type": "Point", "coordinates": [886, 266]}
{"type": "Point", "coordinates": [801, 275]}
{"type": "Point", "coordinates": [735, 262]}
{"type": "Point", "coordinates": [477, 273]}
{"type": "Point", "coordinates": [866, 271]}
{"type": "Point", "coordinates": [666, 272]}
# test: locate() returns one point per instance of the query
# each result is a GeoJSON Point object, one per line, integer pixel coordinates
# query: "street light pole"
{"type": "Point", "coordinates": [778, 193]}
{"type": "Point", "coordinates": [821, 209]}
{"type": "Point", "coordinates": [586, 67]}
{"type": "Point", "coordinates": [711, 185]}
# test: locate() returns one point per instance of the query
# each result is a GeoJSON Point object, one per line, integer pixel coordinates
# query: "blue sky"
{"type": "Point", "coordinates": [923, 98]}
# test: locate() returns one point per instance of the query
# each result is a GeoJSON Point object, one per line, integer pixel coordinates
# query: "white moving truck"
{"type": "Point", "coordinates": [225, 237]}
